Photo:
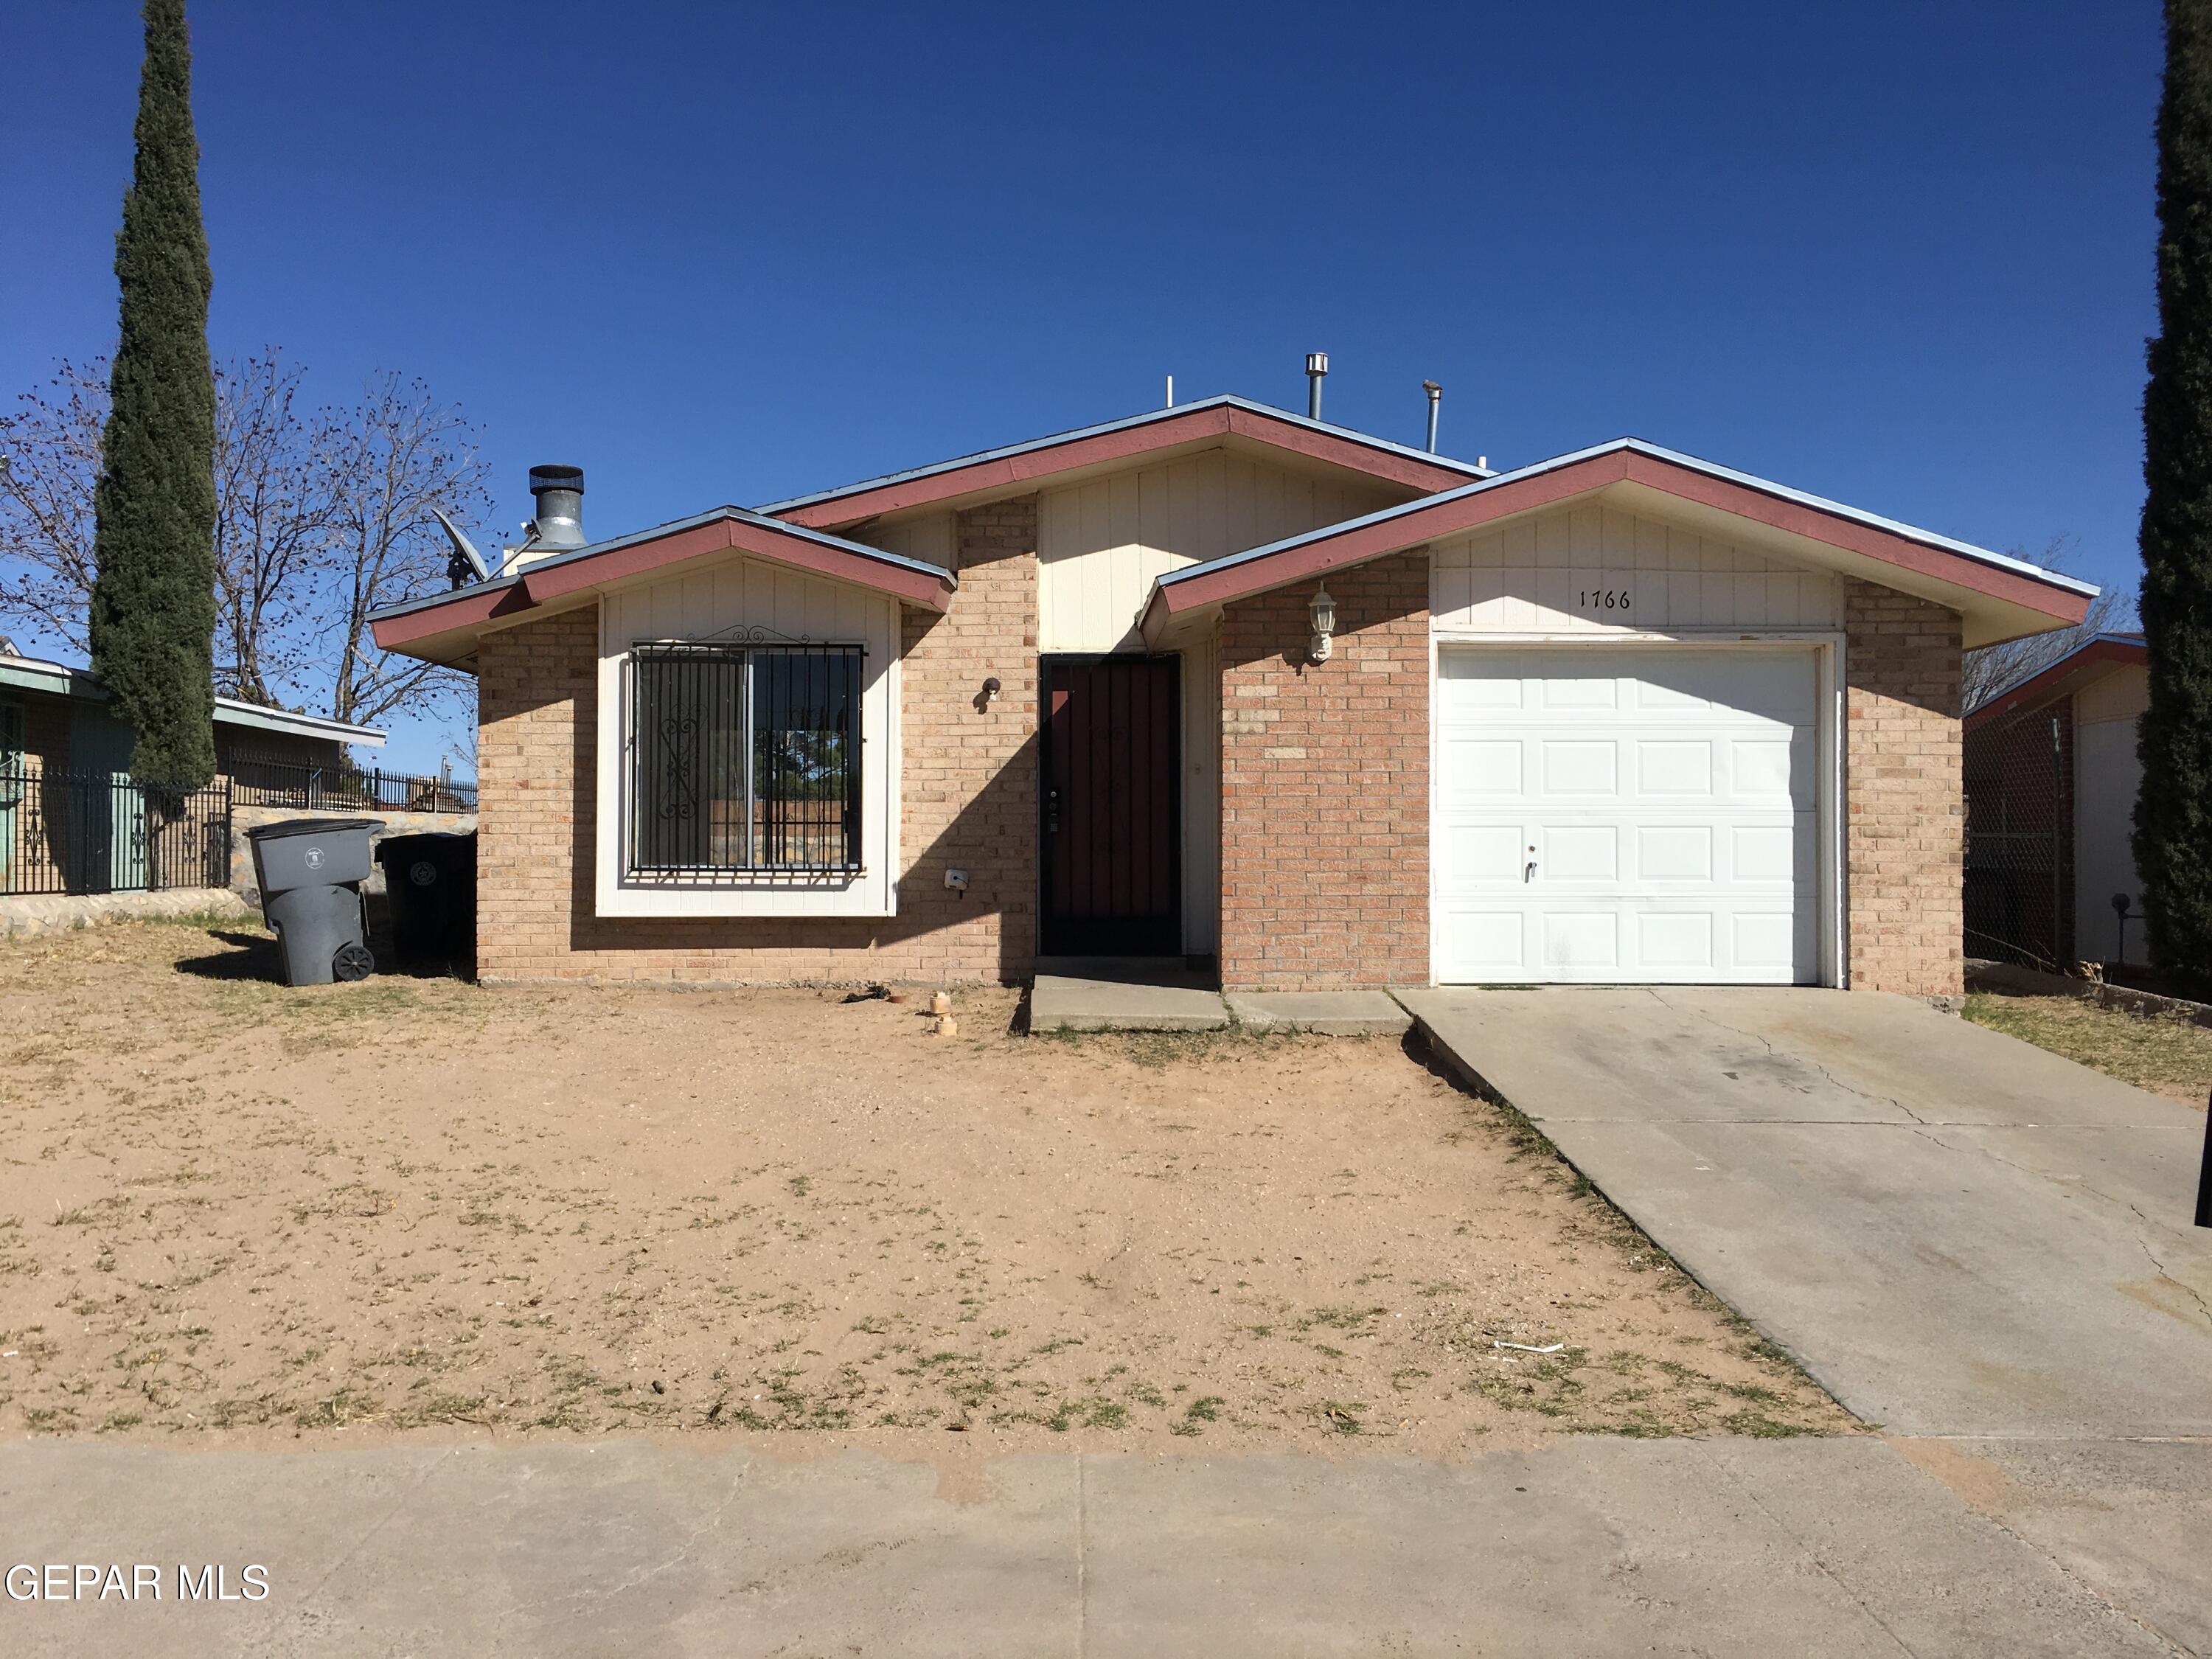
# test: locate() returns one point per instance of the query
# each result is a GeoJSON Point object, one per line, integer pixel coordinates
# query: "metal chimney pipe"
{"type": "Point", "coordinates": [560, 493]}
{"type": "Point", "coordinates": [1436, 396]}
{"type": "Point", "coordinates": [1316, 371]}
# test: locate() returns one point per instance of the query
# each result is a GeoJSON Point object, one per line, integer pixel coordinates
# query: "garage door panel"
{"type": "Point", "coordinates": [1675, 940]}
{"type": "Point", "coordinates": [1581, 767]}
{"type": "Point", "coordinates": [1480, 771]}
{"type": "Point", "coordinates": [1676, 767]}
{"type": "Point", "coordinates": [1579, 851]}
{"type": "Point", "coordinates": [1481, 853]}
{"type": "Point", "coordinates": [1486, 944]}
{"type": "Point", "coordinates": [1583, 940]}
{"type": "Point", "coordinates": [1674, 852]}
{"type": "Point", "coordinates": [1575, 693]}
{"type": "Point", "coordinates": [1666, 799]}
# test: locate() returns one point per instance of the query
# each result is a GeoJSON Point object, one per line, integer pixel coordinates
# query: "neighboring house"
{"type": "Point", "coordinates": [1224, 681]}
{"type": "Point", "coordinates": [2051, 777]}
{"type": "Point", "coordinates": [70, 821]}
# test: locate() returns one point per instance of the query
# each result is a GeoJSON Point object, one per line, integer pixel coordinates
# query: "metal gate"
{"type": "Point", "coordinates": [2020, 840]}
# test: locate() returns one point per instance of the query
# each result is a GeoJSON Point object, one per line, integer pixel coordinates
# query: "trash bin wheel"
{"type": "Point", "coordinates": [352, 962]}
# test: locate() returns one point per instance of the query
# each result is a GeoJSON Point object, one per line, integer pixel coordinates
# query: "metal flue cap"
{"type": "Point", "coordinates": [1316, 362]}
{"type": "Point", "coordinates": [560, 493]}
{"type": "Point", "coordinates": [543, 478]}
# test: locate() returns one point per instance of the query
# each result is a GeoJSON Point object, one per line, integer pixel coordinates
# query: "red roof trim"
{"type": "Point", "coordinates": [911, 587]}
{"type": "Point", "coordinates": [555, 579]}
{"type": "Point", "coordinates": [1480, 506]}
{"type": "Point", "coordinates": [1127, 443]}
{"type": "Point", "coordinates": [2037, 687]}
{"type": "Point", "coordinates": [469, 608]}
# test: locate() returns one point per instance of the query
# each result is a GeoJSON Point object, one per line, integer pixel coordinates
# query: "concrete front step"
{"type": "Point", "coordinates": [1329, 1014]}
{"type": "Point", "coordinates": [1142, 994]}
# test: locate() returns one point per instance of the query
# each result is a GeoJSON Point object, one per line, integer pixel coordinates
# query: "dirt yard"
{"type": "Point", "coordinates": [228, 1208]}
{"type": "Point", "coordinates": [2167, 1056]}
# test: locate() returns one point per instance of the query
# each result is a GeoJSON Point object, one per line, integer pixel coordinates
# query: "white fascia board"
{"type": "Point", "coordinates": [229, 711]}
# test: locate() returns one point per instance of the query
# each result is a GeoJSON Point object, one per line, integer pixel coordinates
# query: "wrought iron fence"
{"type": "Point", "coordinates": [98, 832]}
{"type": "Point", "coordinates": [272, 781]}
{"type": "Point", "coordinates": [2019, 896]}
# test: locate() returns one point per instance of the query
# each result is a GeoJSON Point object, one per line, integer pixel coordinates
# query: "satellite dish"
{"type": "Point", "coordinates": [466, 560]}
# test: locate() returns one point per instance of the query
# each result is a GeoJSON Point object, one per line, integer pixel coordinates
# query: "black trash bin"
{"type": "Point", "coordinates": [430, 884]}
{"type": "Point", "coordinates": [310, 872]}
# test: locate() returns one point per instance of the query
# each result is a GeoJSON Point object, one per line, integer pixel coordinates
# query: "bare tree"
{"type": "Point", "coordinates": [1998, 668]}
{"type": "Point", "coordinates": [49, 461]}
{"type": "Point", "coordinates": [273, 514]}
{"type": "Point", "coordinates": [394, 456]}
{"type": "Point", "coordinates": [320, 520]}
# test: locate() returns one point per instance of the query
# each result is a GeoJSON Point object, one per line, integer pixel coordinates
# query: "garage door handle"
{"type": "Point", "coordinates": [1528, 873]}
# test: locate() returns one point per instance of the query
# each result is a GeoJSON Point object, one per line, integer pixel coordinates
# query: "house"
{"type": "Point", "coordinates": [1223, 681]}
{"type": "Point", "coordinates": [2051, 777]}
{"type": "Point", "coordinates": [70, 821]}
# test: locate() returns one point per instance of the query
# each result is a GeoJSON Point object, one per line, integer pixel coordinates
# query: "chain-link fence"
{"type": "Point", "coordinates": [2020, 840]}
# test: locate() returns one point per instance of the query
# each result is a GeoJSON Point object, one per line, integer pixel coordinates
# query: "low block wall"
{"type": "Point", "coordinates": [243, 818]}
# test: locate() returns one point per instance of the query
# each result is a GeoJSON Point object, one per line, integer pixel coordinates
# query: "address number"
{"type": "Point", "coordinates": [1605, 598]}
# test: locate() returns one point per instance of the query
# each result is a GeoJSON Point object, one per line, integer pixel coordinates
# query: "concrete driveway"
{"type": "Point", "coordinates": [1978, 1247]}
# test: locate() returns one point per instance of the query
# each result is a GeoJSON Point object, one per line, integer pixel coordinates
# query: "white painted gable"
{"type": "Point", "coordinates": [1587, 568]}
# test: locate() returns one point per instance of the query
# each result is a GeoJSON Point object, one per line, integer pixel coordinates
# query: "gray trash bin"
{"type": "Point", "coordinates": [310, 872]}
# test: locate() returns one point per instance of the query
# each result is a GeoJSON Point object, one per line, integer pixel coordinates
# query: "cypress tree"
{"type": "Point", "coordinates": [2173, 817]}
{"type": "Point", "coordinates": [153, 611]}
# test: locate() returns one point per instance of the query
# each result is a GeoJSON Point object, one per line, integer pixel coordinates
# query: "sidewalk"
{"type": "Point", "coordinates": [1723, 1547]}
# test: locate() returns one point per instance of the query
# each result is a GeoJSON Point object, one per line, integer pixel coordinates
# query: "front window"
{"type": "Point", "coordinates": [745, 760]}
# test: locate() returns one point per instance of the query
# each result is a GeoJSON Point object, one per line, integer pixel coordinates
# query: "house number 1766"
{"type": "Point", "coordinates": [1605, 598]}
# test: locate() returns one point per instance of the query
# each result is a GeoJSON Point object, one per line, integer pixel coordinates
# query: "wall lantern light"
{"type": "Point", "coordinates": [1323, 612]}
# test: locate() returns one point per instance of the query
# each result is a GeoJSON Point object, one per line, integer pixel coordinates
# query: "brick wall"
{"type": "Point", "coordinates": [1905, 843]}
{"type": "Point", "coordinates": [1325, 785]}
{"type": "Point", "coordinates": [969, 795]}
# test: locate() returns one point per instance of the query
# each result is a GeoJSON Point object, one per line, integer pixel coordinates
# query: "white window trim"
{"type": "Point", "coordinates": [872, 891]}
{"type": "Point", "coordinates": [1829, 817]}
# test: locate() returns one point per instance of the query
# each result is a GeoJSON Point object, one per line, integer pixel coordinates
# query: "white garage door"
{"type": "Point", "coordinates": [1609, 815]}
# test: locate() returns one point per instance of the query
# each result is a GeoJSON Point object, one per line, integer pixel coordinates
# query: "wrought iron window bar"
{"type": "Point", "coordinates": [745, 759]}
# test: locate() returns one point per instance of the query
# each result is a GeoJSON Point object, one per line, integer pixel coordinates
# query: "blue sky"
{"type": "Point", "coordinates": [1899, 254]}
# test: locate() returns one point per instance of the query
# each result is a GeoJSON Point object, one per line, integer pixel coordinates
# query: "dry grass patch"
{"type": "Point", "coordinates": [426, 1207]}
{"type": "Point", "coordinates": [2168, 1056]}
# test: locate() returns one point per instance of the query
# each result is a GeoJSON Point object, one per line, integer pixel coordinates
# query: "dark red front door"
{"type": "Point", "coordinates": [1111, 841]}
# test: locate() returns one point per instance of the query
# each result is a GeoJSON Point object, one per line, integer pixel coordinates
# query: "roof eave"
{"type": "Point", "coordinates": [1023, 465]}
{"type": "Point", "coordinates": [444, 629]}
{"type": "Point", "coordinates": [2020, 592]}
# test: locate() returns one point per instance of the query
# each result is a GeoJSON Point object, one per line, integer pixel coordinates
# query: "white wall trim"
{"type": "Point", "coordinates": [873, 892]}
{"type": "Point", "coordinates": [1829, 817]}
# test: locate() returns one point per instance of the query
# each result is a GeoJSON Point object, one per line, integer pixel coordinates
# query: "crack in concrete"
{"type": "Point", "coordinates": [1774, 1053]}
{"type": "Point", "coordinates": [1082, 1559]}
{"type": "Point", "coordinates": [638, 1577]}
{"type": "Point", "coordinates": [306, 1604]}
{"type": "Point", "coordinates": [1811, 1554]}
{"type": "Point", "coordinates": [2195, 1295]}
{"type": "Point", "coordinates": [2057, 1564]}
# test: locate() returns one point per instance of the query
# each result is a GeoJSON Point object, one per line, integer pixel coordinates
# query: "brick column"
{"type": "Point", "coordinates": [1325, 785]}
{"type": "Point", "coordinates": [1905, 839]}
{"type": "Point", "coordinates": [536, 692]}
{"type": "Point", "coordinates": [970, 767]}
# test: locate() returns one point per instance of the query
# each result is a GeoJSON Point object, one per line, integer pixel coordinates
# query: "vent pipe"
{"type": "Point", "coordinates": [1316, 372]}
{"type": "Point", "coordinates": [560, 493]}
{"type": "Point", "coordinates": [1436, 396]}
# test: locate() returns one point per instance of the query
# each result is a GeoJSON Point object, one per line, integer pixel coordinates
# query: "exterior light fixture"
{"type": "Point", "coordinates": [991, 689]}
{"type": "Point", "coordinates": [1322, 612]}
